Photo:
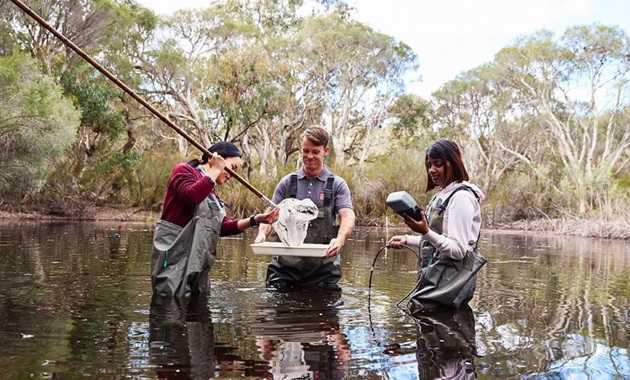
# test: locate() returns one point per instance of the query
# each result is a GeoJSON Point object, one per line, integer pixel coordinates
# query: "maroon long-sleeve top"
{"type": "Point", "coordinates": [186, 188]}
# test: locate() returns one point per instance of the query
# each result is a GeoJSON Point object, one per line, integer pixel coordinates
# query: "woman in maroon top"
{"type": "Point", "coordinates": [193, 219]}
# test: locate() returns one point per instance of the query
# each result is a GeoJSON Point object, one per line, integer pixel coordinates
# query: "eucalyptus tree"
{"type": "Point", "coordinates": [101, 29]}
{"type": "Point", "coordinates": [554, 110]}
{"type": "Point", "coordinates": [500, 140]}
{"type": "Point", "coordinates": [87, 23]}
{"type": "Point", "coordinates": [578, 89]}
{"type": "Point", "coordinates": [357, 74]}
{"type": "Point", "coordinates": [37, 123]}
{"type": "Point", "coordinates": [479, 111]}
{"type": "Point", "coordinates": [412, 118]}
{"type": "Point", "coordinates": [212, 70]}
{"type": "Point", "coordinates": [258, 73]}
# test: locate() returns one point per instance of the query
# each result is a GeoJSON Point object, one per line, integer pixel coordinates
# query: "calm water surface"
{"type": "Point", "coordinates": [75, 302]}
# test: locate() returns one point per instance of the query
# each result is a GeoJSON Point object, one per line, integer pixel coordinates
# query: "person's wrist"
{"type": "Point", "coordinates": [252, 222]}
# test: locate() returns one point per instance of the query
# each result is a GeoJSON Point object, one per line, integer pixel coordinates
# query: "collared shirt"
{"type": "Point", "coordinates": [313, 188]}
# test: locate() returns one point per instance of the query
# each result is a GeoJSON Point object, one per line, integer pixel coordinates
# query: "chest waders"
{"type": "Point", "coordinates": [442, 281]}
{"type": "Point", "coordinates": [287, 271]}
{"type": "Point", "coordinates": [181, 258]}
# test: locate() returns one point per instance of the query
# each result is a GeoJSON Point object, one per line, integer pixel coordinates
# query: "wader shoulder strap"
{"type": "Point", "coordinates": [442, 207]}
{"type": "Point", "coordinates": [328, 191]}
{"type": "Point", "coordinates": [292, 187]}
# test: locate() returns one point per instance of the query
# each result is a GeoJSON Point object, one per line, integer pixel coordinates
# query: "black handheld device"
{"type": "Point", "coordinates": [402, 203]}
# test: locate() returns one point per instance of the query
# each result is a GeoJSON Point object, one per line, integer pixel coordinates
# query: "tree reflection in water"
{"type": "Point", "coordinates": [76, 298]}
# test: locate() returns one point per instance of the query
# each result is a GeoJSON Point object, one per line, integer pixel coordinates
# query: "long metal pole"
{"type": "Point", "coordinates": [134, 95]}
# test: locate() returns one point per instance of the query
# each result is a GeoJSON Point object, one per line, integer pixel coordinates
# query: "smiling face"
{"type": "Point", "coordinates": [440, 171]}
{"type": "Point", "coordinates": [313, 157]}
{"type": "Point", "coordinates": [232, 163]}
{"type": "Point", "coordinates": [444, 165]}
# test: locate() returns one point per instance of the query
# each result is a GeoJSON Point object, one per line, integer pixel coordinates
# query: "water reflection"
{"type": "Point", "coordinates": [299, 334]}
{"type": "Point", "coordinates": [115, 243]}
{"type": "Point", "coordinates": [445, 345]}
{"type": "Point", "coordinates": [445, 348]}
{"type": "Point", "coordinates": [181, 338]}
{"type": "Point", "coordinates": [75, 302]}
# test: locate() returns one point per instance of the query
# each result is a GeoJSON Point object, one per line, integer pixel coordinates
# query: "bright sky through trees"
{"type": "Point", "coordinates": [451, 36]}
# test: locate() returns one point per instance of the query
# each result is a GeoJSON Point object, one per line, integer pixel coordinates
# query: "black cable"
{"type": "Point", "coordinates": [370, 288]}
{"type": "Point", "coordinates": [406, 309]}
{"type": "Point", "coordinates": [372, 271]}
{"type": "Point", "coordinates": [370, 282]}
{"type": "Point", "coordinates": [374, 263]}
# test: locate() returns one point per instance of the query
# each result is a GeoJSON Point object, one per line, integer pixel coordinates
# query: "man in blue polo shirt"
{"type": "Point", "coordinates": [331, 195]}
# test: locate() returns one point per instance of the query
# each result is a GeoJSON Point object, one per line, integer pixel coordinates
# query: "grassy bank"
{"type": "Point", "coordinates": [598, 228]}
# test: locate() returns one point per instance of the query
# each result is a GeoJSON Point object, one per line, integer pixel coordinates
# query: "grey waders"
{"type": "Point", "coordinates": [444, 282]}
{"type": "Point", "coordinates": [288, 271]}
{"type": "Point", "coordinates": [182, 257]}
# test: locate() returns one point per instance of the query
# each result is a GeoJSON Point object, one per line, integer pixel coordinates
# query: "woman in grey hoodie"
{"type": "Point", "coordinates": [449, 232]}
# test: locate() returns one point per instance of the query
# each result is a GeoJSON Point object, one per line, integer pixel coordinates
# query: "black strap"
{"type": "Point", "coordinates": [293, 187]}
{"type": "Point", "coordinates": [442, 207]}
{"type": "Point", "coordinates": [328, 191]}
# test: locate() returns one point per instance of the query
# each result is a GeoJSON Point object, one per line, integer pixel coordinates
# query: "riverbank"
{"type": "Point", "coordinates": [601, 229]}
{"type": "Point", "coordinates": [618, 229]}
{"type": "Point", "coordinates": [94, 214]}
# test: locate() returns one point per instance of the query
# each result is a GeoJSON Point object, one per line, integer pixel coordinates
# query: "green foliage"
{"type": "Point", "coordinates": [400, 169]}
{"type": "Point", "coordinates": [543, 127]}
{"type": "Point", "coordinates": [355, 74]}
{"type": "Point", "coordinates": [151, 175]}
{"type": "Point", "coordinates": [243, 85]}
{"type": "Point", "coordinates": [93, 95]}
{"type": "Point", "coordinates": [545, 119]}
{"type": "Point", "coordinates": [412, 118]}
{"type": "Point", "coordinates": [37, 124]}
{"type": "Point", "coordinates": [521, 196]}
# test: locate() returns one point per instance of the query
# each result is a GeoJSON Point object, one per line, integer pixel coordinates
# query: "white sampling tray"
{"type": "Point", "coordinates": [279, 249]}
